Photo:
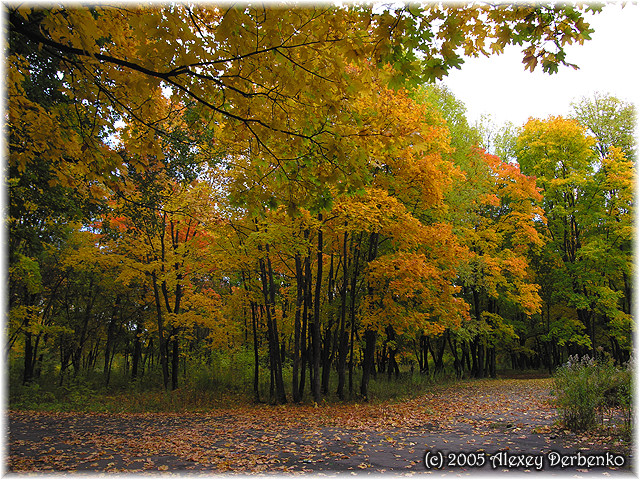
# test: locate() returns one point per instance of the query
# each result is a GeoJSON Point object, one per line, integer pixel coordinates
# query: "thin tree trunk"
{"type": "Point", "coordinates": [161, 340]}
{"type": "Point", "coordinates": [175, 363]}
{"type": "Point", "coordinates": [175, 359]}
{"type": "Point", "coordinates": [109, 343]}
{"type": "Point", "coordinates": [137, 350]}
{"type": "Point", "coordinates": [343, 338]}
{"type": "Point", "coordinates": [367, 362]}
{"type": "Point", "coordinates": [305, 320]}
{"type": "Point", "coordinates": [439, 360]}
{"type": "Point", "coordinates": [433, 355]}
{"type": "Point", "coordinates": [328, 347]}
{"type": "Point", "coordinates": [480, 350]}
{"type": "Point", "coordinates": [457, 364]}
{"type": "Point", "coordinates": [268, 290]}
{"type": "Point", "coordinates": [392, 351]}
{"type": "Point", "coordinates": [30, 352]}
{"type": "Point", "coordinates": [27, 374]}
{"type": "Point", "coordinates": [465, 355]}
{"type": "Point", "coordinates": [76, 358]}
{"type": "Point", "coordinates": [369, 335]}
{"type": "Point", "coordinates": [300, 287]}
{"type": "Point", "coordinates": [424, 353]}
{"type": "Point", "coordinates": [315, 386]}
{"type": "Point", "coordinates": [352, 313]}
{"type": "Point", "coordinates": [256, 357]}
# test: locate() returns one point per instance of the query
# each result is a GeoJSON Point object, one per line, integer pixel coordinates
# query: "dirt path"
{"type": "Point", "coordinates": [502, 425]}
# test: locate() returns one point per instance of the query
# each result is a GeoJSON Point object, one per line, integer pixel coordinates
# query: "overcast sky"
{"type": "Point", "coordinates": [499, 85]}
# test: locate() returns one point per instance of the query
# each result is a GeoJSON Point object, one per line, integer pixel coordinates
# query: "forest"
{"type": "Point", "coordinates": [289, 202]}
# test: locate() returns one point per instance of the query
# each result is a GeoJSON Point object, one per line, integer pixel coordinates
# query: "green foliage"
{"type": "Point", "coordinates": [224, 381]}
{"type": "Point", "coordinates": [27, 271]}
{"type": "Point", "coordinates": [585, 268]}
{"type": "Point", "coordinates": [567, 330]}
{"type": "Point", "coordinates": [610, 121]}
{"type": "Point", "coordinates": [230, 371]}
{"type": "Point", "coordinates": [499, 140]}
{"type": "Point", "coordinates": [586, 386]}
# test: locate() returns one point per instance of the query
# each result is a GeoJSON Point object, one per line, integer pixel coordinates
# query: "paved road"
{"type": "Point", "coordinates": [489, 426]}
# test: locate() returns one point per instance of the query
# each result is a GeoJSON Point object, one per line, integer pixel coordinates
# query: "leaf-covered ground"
{"type": "Point", "coordinates": [486, 417]}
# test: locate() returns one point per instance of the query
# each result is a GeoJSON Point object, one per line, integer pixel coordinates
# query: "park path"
{"type": "Point", "coordinates": [505, 425]}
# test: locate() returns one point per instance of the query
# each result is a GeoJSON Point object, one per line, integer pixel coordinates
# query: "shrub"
{"type": "Point", "coordinates": [585, 387]}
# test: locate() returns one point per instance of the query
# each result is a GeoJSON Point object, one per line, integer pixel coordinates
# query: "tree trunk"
{"type": "Point", "coordinates": [281, 396]}
{"type": "Point", "coordinates": [268, 289]}
{"type": "Point", "coordinates": [148, 356]}
{"type": "Point", "coordinates": [326, 359]}
{"type": "Point", "coordinates": [175, 361]}
{"type": "Point", "coordinates": [315, 386]}
{"type": "Point", "coordinates": [491, 362]}
{"type": "Point", "coordinates": [343, 338]}
{"type": "Point", "coordinates": [424, 340]}
{"type": "Point", "coordinates": [480, 354]}
{"type": "Point", "coordinates": [306, 307]}
{"type": "Point", "coordinates": [30, 350]}
{"type": "Point", "coordinates": [457, 365]}
{"type": "Point", "coordinates": [367, 362]}
{"type": "Point", "coordinates": [369, 335]}
{"type": "Point", "coordinates": [328, 346]}
{"type": "Point", "coordinates": [352, 312]}
{"type": "Point", "coordinates": [392, 350]}
{"type": "Point", "coordinates": [27, 374]}
{"type": "Point", "coordinates": [161, 340]}
{"type": "Point", "coordinates": [256, 356]}
{"type": "Point", "coordinates": [382, 359]}
{"type": "Point", "coordinates": [109, 343]}
{"type": "Point", "coordinates": [76, 358]}
{"type": "Point", "coordinates": [137, 350]}
{"type": "Point", "coordinates": [466, 359]}
{"type": "Point", "coordinates": [300, 287]}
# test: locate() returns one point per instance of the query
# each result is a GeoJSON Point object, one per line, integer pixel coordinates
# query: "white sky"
{"type": "Point", "coordinates": [499, 86]}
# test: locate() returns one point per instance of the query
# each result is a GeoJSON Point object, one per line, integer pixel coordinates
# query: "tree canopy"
{"type": "Point", "coordinates": [268, 80]}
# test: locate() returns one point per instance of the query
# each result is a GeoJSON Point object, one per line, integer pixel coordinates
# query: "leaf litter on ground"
{"type": "Point", "coordinates": [385, 436]}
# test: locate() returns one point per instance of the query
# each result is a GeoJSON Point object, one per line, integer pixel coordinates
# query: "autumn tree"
{"type": "Point", "coordinates": [501, 232]}
{"type": "Point", "coordinates": [270, 74]}
{"type": "Point", "coordinates": [588, 206]}
{"type": "Point", "coordinates": [46, 159]}
{"type": "Point", "coordinates": [491, 207]}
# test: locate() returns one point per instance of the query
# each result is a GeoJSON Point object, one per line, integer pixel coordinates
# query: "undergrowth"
{"type": "Point", "coordinates": [586, 389]}
{"type": "Point", "coordinates": [223, 380]}
{"type": "Point", "coordinates": [204, 388]}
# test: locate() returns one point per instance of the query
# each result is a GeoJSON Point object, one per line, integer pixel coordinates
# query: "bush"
{"type": "Point", "coordinates": [585, 387]}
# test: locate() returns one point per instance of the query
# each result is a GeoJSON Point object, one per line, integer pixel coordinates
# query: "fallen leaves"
{"type": "Point", "coordinates": [293, 438]}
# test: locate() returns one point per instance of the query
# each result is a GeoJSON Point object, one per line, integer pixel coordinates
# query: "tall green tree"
{"type": "Point", "coordinates": [588, 204]}
{"type": "Point", "coordinates": [612, 122]}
